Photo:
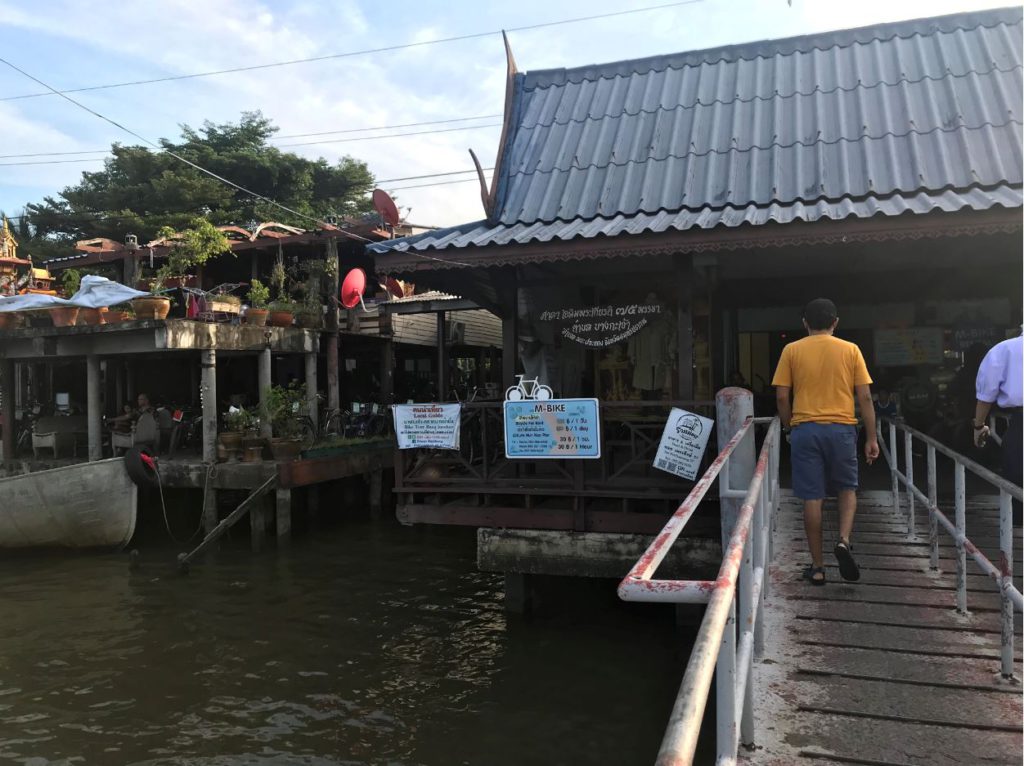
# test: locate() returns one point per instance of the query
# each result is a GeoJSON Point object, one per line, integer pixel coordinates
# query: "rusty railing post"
{"type": "Point", "coordinates": [725, 688]}
{"type": "Point", "coordinates": [960, 493]}
{"type": "Point", "coordinates": [1006, 570]}
{"type": "Point", "coordinates": [732, 408]}
{"type": "Point", "coordinates": [933, 503]}
{"type": "Point", "coordinates": [894, 468]}
{"type": "Point", "coordinates": [908, 456]}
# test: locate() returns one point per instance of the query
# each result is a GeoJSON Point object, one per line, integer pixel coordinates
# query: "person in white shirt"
{"type": "Point", "coordinates": [1001, 382]}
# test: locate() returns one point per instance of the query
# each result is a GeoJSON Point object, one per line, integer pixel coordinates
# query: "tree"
{"type": "Point", "coordinates": [140, 190]}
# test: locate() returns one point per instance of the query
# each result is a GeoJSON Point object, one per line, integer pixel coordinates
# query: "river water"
{"type": "Point", "coordinates": [361, 644]}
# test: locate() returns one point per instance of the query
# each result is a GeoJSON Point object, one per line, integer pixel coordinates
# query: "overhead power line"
{"type": "Point", "coordinates": [349, 54]}
{"type": "Point", "coordinates": [391, 135]}
{"type": "Point", "coordinates": [177, 156]}
{"type": "Point", "coordinates": [293, 135]}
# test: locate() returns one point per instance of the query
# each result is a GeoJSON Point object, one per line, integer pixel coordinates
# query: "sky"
{"type": "Point", "coordinates": [72, 44]}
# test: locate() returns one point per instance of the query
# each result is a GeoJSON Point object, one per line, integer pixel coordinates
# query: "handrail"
{"type": "Point", "coordinates": [1010, 596]}
{"type": "Point", "coordinates": [716, 648]}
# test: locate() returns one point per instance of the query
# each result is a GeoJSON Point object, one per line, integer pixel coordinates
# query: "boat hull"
{"type": "Point", "coordinates": [87, 505]}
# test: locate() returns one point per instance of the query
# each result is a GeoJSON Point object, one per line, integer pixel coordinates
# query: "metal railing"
{"type": "Point", "coordinates": [1003, 573]}
{"type": "Point", "coordinates": [717, 648]}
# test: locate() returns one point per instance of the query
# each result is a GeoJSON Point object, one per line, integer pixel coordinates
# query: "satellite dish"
{"type": "Point", "coordinates": [394, 287]}
{"type": "Point", "coordinates": [352, 289]}
{"type": "Point", "coordinates": [386, 207]}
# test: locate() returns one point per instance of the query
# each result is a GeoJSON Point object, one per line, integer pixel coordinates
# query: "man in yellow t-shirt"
{"type": "Point", "coordinates": [824, 374]}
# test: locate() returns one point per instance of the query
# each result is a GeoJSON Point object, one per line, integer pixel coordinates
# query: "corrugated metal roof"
{"type": "Point", "coordinates": [909, 117]}
{"type": "Point", "coordinates": [481, 233]}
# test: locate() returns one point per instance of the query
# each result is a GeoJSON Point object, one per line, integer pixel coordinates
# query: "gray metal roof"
{"type": "Point", "coordinates": [911, 117]}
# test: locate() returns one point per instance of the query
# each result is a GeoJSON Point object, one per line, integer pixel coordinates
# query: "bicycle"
{"type": "Point", "coordinates": [536, 390]}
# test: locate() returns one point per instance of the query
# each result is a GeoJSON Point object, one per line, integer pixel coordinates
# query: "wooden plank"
{"type": "Point", "coordinates": [302, 473]}
{"type": "Point", "coordinates": [227, 522]}
{"type": "Point", "coordinates": [878, 664]}
{"type": "Point", "coordinates": [899, 614]}
{"type": "Point", "coordinates": [849, 593]}
{"type": "Point", "coordinates": [872, 741]}
{"type": "Point", "coordinates": [882, 699]}
{"type": "Point", "coordinates": [907, 641]}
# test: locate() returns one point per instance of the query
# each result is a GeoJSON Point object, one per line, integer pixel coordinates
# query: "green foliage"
{"type": "Point", "coordinates": [278, 279]}
{"type": "Point", "coordinates": [192, 247]}
{"type": "Point", "coordinates": [140, 190]}
{"type": "Point", "coordinates": [70, 281]}
{"type": "Point", "coordinates": [240, 419]}
{"type": "Point", "coordinates": [283, 406]}
{"type": "Point", "coordinates": [259, 295]}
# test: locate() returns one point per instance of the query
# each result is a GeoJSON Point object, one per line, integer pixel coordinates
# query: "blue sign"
{"type": "Point", "coordinates": [552, 428]}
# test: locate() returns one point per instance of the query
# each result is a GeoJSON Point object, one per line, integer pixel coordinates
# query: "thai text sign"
{"type": "Point", "coordinates": [904, 347]}
{"type": "Point", "coordinates": [599, 326]}
{"type": "Point", "coordinates": [554, 428]}
{"type": "Point", "coordinates": [427, 426]}
{"type": "Point", "coordinates": [683, 443]}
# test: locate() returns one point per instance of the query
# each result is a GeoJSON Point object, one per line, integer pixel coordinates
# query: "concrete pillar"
{"type": "Point", "coordinates": [263, 381]}
{"type": "Point", "coordinates": [93, 407]}
{"type": "Point", "coordinates": [7, 411]}
{"type": "Point", "coordinates": [283, 515]}
{"type": "Point", "coordinates": [518, 593]}
{"type": "Point", "coordinates": [333, 271]}
{"type": "Point", "coordinates": [733, 406]}
{"type": "Point", "coordinates": [208, 394]}
{"type": "Point", "coordinates": [311, 391]}
{"type": "Point", "coordinates": [258, 525]}
{"type": "Point", "coordinates": [210, 515]}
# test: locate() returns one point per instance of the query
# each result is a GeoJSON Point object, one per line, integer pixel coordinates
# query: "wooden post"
{"type": "Point", "coordinates": [92, 407]}
{"type": "Point", "coordinates": [442, 359]}
{"type": "Point", "coordinates": [283, 515]}
{"type": "Point", "coordinates": [332, 339]}
{"type": "Point", "coordinates": [311, 390]}
{"type": "Point", "coordinates": [7, 413]}
{"type": "Point", "coordinates": [387, 359]}
{"type": "Point", "coordinates": [509, 338]}
{"type": "Point", "coordinates": [129, 380]}
{"type": "Point", "coordinates": [208, 393]}
{"type": "Point", "coordinates": [683, 279]}
{"type": "Point", "coordinates": [119, 400]}
{"type": "Point", "coordinates": [263, 381]}
{"type": "Point", "coordinates": [131, 269]}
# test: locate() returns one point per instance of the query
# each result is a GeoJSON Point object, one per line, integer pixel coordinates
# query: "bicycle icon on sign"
{"type": "Point", "coordinates": [528, 389]}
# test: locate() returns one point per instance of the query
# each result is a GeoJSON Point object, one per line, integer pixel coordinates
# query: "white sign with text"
{"type": "Point", "coordinates": [683, 443]}
{"type": "Point", "coordinates": [427, 426]}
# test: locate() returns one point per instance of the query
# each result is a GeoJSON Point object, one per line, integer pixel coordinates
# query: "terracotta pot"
{"type": "Point", "coordinates": [256, 317]}
{"type": "Point", "coordinates": [151, 307]}
{"type": "Point", "coordinates": [64, 316]}
{"type": "Point", "coordinates": [285, 449]}
{"type": "Point", "coordinates": [253, 454]}
{"type": "Point", "coordinates": [92, 316]}
{"type": "Point", "coordinates": [279, 319]}
{"type": "Point", "coordinates": [230, 439]}
{"type": "Point", "coordinates": [115, 317]}
{"type": "Point", "coordinates": [7, 320]}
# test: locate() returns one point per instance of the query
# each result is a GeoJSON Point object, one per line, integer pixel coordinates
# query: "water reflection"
{"type": "Point", "coordinates": [365, 645]}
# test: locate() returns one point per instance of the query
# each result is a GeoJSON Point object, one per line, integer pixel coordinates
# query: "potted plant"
{"type": "Point", "coordinates": [310, 314]}
{"type": "Point", "coordinates": [283, 307]}
{"type": "Point", "coordinates": [123, 313]}
{"type": "Point", "coordinates": [224, 303]}
{"type": "Point", "coordinates": [237, 420]}
{"type": "Point", "coordinates": [194, 246]}
{"type": "Point", "coordinates": [67, 316]}
{"type": "Point", "coordinates": [259, 297]}
{"type": "Point", "coordinates": [282, 406]}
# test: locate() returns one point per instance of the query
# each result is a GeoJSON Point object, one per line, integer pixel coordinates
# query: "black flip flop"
{"type": "Point", "coordinates": [811, 571]}
{"type": "Point", "coordinates": [848, 569]}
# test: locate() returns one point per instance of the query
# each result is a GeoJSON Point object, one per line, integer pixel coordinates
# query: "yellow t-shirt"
{"type": "Point", "coordinates": [822, 371]}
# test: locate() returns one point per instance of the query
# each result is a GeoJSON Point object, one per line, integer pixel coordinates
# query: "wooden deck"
{"type": "Point", "coordinates": [884, 671]}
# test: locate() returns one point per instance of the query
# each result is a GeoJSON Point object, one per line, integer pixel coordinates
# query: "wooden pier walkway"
{"type": "Point", "coordinates": [884, 671]}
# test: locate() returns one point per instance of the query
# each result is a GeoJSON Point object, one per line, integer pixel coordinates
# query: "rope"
{"type": "Point", "coordinates": [211, 470]}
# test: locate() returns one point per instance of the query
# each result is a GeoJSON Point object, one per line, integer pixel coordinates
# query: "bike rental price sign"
{"type": "Point", "coordinates": [545, 428]}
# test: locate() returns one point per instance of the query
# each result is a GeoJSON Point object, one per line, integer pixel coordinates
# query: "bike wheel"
{"type": "Point", "coordinates": [514, 394]}
{"type": "Point", "coordinates": [543, 393]}
{"type": "Point", "coordinates": [307, 432]}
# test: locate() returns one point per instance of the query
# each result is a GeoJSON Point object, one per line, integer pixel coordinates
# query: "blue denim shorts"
{"type": "Point", "coordinates": [824, 459]}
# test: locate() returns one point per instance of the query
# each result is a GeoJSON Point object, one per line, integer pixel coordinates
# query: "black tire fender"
{"type": "Point", "coordinates": [140, 466]}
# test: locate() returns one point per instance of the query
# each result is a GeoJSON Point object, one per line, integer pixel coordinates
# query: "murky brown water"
{"type": "Point", "coordinates": [360, 645]}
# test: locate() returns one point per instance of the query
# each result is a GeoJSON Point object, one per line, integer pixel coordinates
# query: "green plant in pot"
{"type": "Point", "coordinates": [259, 298]}
{"type": "Point", "coordinates": [237, 421]}
{"type": "Point", "coordinates": [283, 308]}
{"type": "Point", "coordinates": [311, 312]}
{"type": "Point", "coordinates": [283, 408]}
{"type": "Point", "coordinates": [191, 247]}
